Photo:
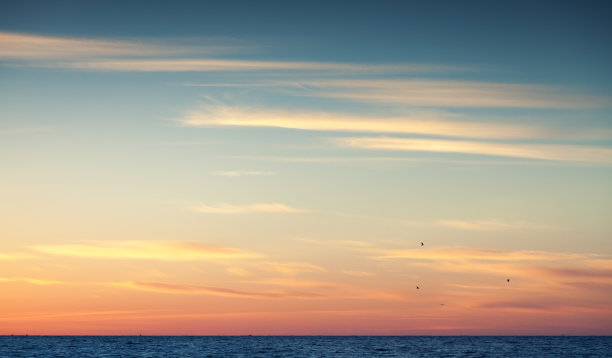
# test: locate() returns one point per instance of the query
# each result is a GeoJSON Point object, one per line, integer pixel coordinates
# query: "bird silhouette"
{"type": "Point", "coordinates": [507, 280]}
{"type": "Point", "coordinates": [422, 244]}
{"type": "Point", "coordinates": [417, 287]}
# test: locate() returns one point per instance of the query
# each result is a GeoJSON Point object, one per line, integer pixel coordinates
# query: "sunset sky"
{"type": "Point", "coordinates": [246, 167]}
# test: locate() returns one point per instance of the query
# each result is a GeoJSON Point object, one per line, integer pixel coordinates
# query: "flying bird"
{"type": "Point", "coordinates": [417, 287]}
{"type": "Point", "coordinates": [422, 244]}
{"type": "Point", "coordinates": [507, 280]}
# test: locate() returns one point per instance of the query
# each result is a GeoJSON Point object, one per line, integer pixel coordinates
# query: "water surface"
{"type": "Point", "coordinates": [302, 346]}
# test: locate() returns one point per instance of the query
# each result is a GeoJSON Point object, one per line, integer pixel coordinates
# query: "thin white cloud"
{"type": "Point", "coordinates": [271, 208]}
{"type": "Point", "coordinates": [146, 250]}
{"type": "Point", "coordinates": [105, 54]}
{"type": "Point", "coordinates": [425, 123]}
{"type": "Point", "coordinates": [430, 93]}
{"type": "Point", "coordinates": [466, 253]}
{"type": "Point", "coordinates": [352, 159]}
{"type": "Point", "coordinates": [326, 159]}
{"type": "Point", "coordinates": [21, 46]}
{"type": "Point", "coordinates": [237, 173]}
{"type": "Point", "coordinates": [570, 153]}
{"type": "Point", "coordinates": [439, 93]}
{"type": "Point", "coordinates": [209, 64]}
{"type": "Point", "coordinates": [492, 225]}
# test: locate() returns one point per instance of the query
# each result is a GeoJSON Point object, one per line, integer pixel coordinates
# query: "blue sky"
{"type": "Point", "coordinates": [552, 41]}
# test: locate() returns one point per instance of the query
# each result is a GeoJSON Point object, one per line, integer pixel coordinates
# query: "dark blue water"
{"type": "Point", "coordinates": [349, 347]}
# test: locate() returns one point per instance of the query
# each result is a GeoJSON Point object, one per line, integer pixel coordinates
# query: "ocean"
{"type": "Point", "coordinates": [303, 346]}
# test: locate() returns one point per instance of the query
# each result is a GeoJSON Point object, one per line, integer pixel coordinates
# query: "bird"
{"type": "Point", "coordinates": [417, 287]}
{"type": "Point", "coordinates": [422, 244]}
{"type": "Point", "coordinates": [507, 280]}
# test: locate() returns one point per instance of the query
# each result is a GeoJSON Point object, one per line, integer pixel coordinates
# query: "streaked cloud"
{"type": "Point", "coordinates": [492, 225]}
{"type": "Point", "coordinates": [444, 93]}
{"type": "Point", "coordinates": [355, 273]}
{"type": "Point", "coordinates": [465, 253]}
{"type": "Point", "coordinates": [579, 272]}
{"type": "Point", "coordinates": [16, 256]}
{"type": "Point", "coordinates": [343, 243]}
{"type": "Point", "coordinates": [542, 272]}
{"type": "Point", "coordinates": [147, 250]}
{"type": "Point", "coordinates": [289, 268]}
{"type": "Point", "coordinates": [270, 208]}
{"type": "Point", "coordinates": [30, 280]}
{"type": "Point", "coordinates": [20, 46]}
{"type": "Point", "coordinates": [431, 93]}
{"type": "Point", "coordinates": [285, 290]}
{"type": "Point", "coordinates": [175, 288]}
{"type": "Point", "coordinates": [396, 159]}
{"type": "Point", "coordinates": [238, 271]}
{"type": "Point", "coordinates": [209, 64]}
{"type": "Point", "coordinates": [517, 305]}
{"type": "Point", "coordinates": [233, 173]}
{"type": "Point", "coordinates": [159, 55]}
{"type": "Point", "coordinates": [326, 159]}
{"type": "Point", "coordinates": [432, 123]}
{"type": "Point", "coordinates": [293, 282]}
{"type": "Point", "coordinates": [576, 153]}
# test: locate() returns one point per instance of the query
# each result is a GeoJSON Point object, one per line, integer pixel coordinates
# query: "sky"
{"type": "Point", "coordinates": [306, 168]}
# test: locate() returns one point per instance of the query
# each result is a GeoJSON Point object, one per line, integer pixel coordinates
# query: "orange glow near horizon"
{"type": "Point", "coordinates": [546, 292]}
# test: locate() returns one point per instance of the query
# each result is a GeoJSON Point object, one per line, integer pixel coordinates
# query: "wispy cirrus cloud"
{"type": "Point", "coordinates": [355, 273]}
{"type": "Point", "coordinates": [541, 271]}
{"type": "Point", "coordinates": [159, 55]}
{"type": "Point", "coordinates": [147, 250]}
{"type": "Point", "coordinates": [210, 64]}
{"type": "Point", "coordinates": [17, 256]}
{"type": "Point", "coordinates": [444, 93]}
{"type": "Point", "coordinates": [285, 290]}
{"type": "Point", "coordinates": [270, 208]}
{"type": "Point", "coordinates": [431, 93]}
{"type": "Point", "coordinates": [289, 268]}
{"type": "Point", "coordinates": [523, 305]}
{"type": "Point", "coordinates": [22, 46]}
{"type": "Point", "coordinates": [465, 253]}
{"type": "Point", "coordinates": [432, 123]}
{"type": "Point", "coordinates": [238, 271]}
{"type": "Point", "coordinates": [30, 280]}
{"type": "Point", "coordinates": [492, 225]}
{"type": "Point", "coordinates": [584, 272]}
{"type": "Point", "coordinates": [577, 153]}
{"type": "Point", "coordinates": [177, 288]}
{"type": "Point", "coordinates": [292, 282]}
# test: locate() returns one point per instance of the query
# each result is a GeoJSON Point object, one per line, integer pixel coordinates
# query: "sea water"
{"type": "Point", "coordinates": [302, 346]}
